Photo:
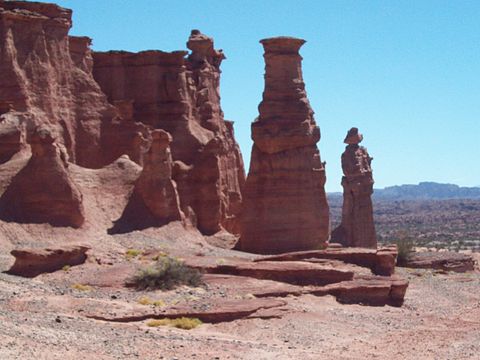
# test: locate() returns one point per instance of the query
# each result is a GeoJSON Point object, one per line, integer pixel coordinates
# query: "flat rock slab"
{"type": "Point", "coordinates": [33, 262]}
{"type": "Point", "coordinates": [446, 261]}
{"type": "Point", "coordinates": [291, 272]}
{"type": "Point", "coordinates": [381, 261]}
{"type": "Point", "coordinates": [368, 290]}
{"type": "Point", "coordinates": [246, 286]}
{"type": "Point", "coordinates": [365, 290]}
{"type": "Point", "coordinates": [212, 312]}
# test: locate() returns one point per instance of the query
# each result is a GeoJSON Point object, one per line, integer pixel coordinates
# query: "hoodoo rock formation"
{"type": "Point", "coordinates": [181, 96]}
{"type": "Point", "coordinates": [285, 206]}
{"type": "Point", "coordinates": [43, 191]}
{"type": "Point", "coordinates": [154, 201]}
{"type": "Point", "coordinates": [357, 228]}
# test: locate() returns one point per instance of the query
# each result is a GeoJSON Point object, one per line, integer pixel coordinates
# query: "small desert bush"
{"type": "Point", "coordinates": [66, 268]}
{"type": "Point", "coordinates": [405, 246]}
{"type": "Point", "coordinates": [81, 287]}
{"type": "Point", "coordinates": [166, 274]}
{"type": "Point", "coordinates": [145, 300]}
{"type": "Point", "coordinates": [180, 323]}
{"type": "Point", "coordinates": [133, 253]}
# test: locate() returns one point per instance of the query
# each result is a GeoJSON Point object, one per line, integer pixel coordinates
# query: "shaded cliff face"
{"type": "Point", "coordinates": [168, 91]}
{"type": "Point", "coordinates": [285, 206]}
{"type": "Point", "coordinates": [46, 76]}
{"type": "Point", "coordinates": [357, 228]}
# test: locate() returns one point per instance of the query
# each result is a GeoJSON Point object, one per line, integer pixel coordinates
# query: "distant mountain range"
{"type": "Point", "coordinates": [425, 191]}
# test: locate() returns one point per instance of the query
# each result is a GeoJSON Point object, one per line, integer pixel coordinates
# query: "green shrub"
{"type": "Point", "coordinates": [405, 245]}
{"type": "Point", "coordinates": [166, 274]}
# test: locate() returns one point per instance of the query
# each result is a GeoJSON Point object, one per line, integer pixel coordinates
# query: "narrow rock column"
{"type": "Point", "coordinates": [285, 206]}
{"type": "Point", "coordinates": [357, 228]}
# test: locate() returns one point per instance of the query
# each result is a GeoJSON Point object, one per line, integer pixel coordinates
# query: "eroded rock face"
{"type": "Point", "coordinates": [46, 76]}
{"type": "Point", "coordinates": [43, 191]}
{"type": "Point", "coordinates": [33, 262]}
{"type": "Point", "coordinates": [181, 96]}
{"type": "Point", "coordinates": [154, 200]}
{"type": "Point", "coordinates": [285, 206]}
{"type": "Point", "coordinates": [357, 228]}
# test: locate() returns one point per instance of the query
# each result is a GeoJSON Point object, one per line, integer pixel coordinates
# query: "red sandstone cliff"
{"type": "Point", "coordinates": [47, 79]}
{"type": "Point", "coordinates": [181, 95]}
{"type": "Point", "coordinates": [46, 76]}
{"type": "Point", "coordinates": [285, 206]}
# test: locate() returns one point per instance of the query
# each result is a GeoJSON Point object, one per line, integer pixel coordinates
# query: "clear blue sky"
{"type": "Point", "coordinates": [407, 73]}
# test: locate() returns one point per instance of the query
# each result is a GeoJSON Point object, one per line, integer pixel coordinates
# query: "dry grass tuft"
{"type": "Point", "coordinates": [180, 323]}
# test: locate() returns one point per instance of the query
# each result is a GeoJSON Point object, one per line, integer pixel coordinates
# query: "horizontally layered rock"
{"type": "Point", "coordinates": [43, 191]}
{"type": "Point", "coordinates": [46, 76]}
{"type": "Point", "coordinates": [285, 206]}
{"type": "Point", "coordinates": [154, 201]}
{"type": "Point", "coordinates": [357, 228]}
{"type": "Point", "coordinates": [181, 95]}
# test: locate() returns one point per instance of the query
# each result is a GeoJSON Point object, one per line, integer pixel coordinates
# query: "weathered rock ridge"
{"type": "Point", "coordinates": [181, 96]}
{"type": "Point", "coordinates": [285, 206]}
{"type": "Point", "coordinates": [48, 78]}
{"type": "Point", "coordinates": [357, 228]}
{"type": "Point", "coordinates": [43, 191]}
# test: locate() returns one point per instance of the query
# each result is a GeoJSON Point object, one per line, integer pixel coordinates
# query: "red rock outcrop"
{"type": "Point", "coordinates": [12, 132]}
{"type": "Point", "coordinates": [154, 200]}
{"type": "Point", "coordinates": [285, 206]}
{"type": "Point", "coordinates": [445, 261]}
{"type": "Point", "coordinates": [357, 228]}
{"type": "Point", "coordinates": [33, 262]}
{"type": "Point", "coordinates": [43, 191]}
{"type": "Point", "coordinates": [181, 95]}
{"type": "Point", "coordinates": [46, 76]}
{"type": "Point", "coordinates": [381, 261]}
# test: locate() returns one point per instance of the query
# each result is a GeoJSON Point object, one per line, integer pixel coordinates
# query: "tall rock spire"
{"type": "Point", "coordinates": [357, 228]}
{"type": "Point", "coordinates": [285, 206]}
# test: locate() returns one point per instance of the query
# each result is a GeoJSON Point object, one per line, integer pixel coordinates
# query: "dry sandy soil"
{"type": "Point", "coordinates": [46, 318]}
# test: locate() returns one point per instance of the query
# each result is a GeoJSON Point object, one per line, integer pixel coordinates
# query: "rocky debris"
{"type": "Point", "coordinates": [285, 207]}
{"type": "Point", "coordinates": [154, 200]}
{"type": "Point", "coordinates": [181, 95]}
{"type": "Point", "coordinates": [46, 76]}
{"type": "Point", "coordinates": [44, 191]}
{"type": "Point", "coordinates": [381, 261]}
{"type": "Point", "coordinates": [357, 228]}
{"type": "Point", "coordinates": [33, 262]}
{"type": "Point", "coordinates": [213, 312]}
{"type": "Point", "coordinates": [445, 260]}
